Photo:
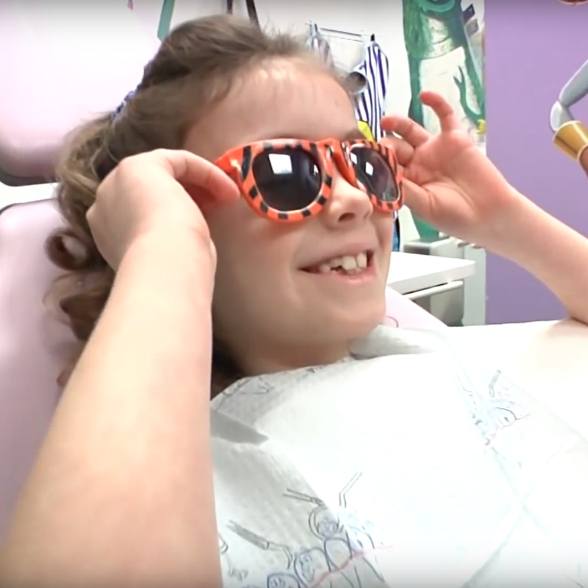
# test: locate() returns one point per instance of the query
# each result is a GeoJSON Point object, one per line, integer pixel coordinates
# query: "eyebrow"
{"type": "Point", "coordinates": [353, 133]}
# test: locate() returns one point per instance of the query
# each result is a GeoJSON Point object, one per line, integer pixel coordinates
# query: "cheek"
{"type": "Point", "coordinates": [230, 227]}
{"type": "Point", "coordinates": [253, 286]}
{"type": "Point", "coordinates": [239, 232]}
{"type": "Point", "coordinates": [254, 255]}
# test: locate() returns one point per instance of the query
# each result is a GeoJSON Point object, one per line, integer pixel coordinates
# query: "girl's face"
{"type": "Point", "coordinates": [271, 306]}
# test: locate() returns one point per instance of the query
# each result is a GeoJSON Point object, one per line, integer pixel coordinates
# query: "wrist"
{"type": "Point", "coordinates": [511, 224]}
{"type": "Point", "coordinates": [526, 235]}
{"type": "Point", "coordinates": [180, 255]}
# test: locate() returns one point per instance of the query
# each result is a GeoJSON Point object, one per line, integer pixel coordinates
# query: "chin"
{"type": "Point", "coordinates": [351, 327]}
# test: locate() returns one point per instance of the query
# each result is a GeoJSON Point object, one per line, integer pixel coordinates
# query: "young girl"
{"type": "Point", "coordinates": [233, 189]}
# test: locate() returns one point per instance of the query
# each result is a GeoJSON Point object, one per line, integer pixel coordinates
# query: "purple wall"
{"type": "Point", "coordinates": [532, 49]}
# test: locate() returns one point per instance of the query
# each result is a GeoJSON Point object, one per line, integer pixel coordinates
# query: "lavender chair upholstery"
{"type": "Point", "coordinates": [62, 65]}
{"type": "Point", "coordinates": [33, 344]}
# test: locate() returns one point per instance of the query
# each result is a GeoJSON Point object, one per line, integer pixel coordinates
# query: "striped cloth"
{"type": "Point", "coordinates": [371, 103]}
{"type": "Point", "coordinates": [319, 45]}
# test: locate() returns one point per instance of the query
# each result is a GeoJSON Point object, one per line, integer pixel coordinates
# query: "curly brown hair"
{"type": "Point", "coordinates": [194, 67]}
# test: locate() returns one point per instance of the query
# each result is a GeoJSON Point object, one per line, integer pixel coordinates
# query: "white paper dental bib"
{"type": "Point", "coordinates": [394, 471]}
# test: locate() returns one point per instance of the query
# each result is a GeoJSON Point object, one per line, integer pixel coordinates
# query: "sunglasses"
{"type": "Point", "coordinates": [288, 180]}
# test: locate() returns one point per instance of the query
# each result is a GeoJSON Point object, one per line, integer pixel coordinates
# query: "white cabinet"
{"type": "Point", "coordinates": [435, 283]}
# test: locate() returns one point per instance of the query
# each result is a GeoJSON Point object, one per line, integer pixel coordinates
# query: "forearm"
{"type": "Point", "coordinates": [121, 493]}
{"type": "Point", "coordinates": [550, 250]}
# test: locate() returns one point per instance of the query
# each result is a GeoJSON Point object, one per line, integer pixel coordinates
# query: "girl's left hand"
{"type": "Point", "coordinates": [447, 181]}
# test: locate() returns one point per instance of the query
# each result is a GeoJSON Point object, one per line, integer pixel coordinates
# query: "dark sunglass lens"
{"type": "Point", "coordinates": [288, 178]}
{"type": "Point", "coordinates": [374, 173]}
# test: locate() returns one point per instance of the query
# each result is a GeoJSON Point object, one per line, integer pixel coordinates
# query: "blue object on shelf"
{"type": "Point", "coordinates": [167, 10]}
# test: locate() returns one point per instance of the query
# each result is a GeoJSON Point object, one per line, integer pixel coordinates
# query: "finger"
{"type": "Point", "coordinates": [447, 117]}
{"type": "Point", "coordinates": [407, 128]}
{"type": "Point", "coordinates": [404, 151]}
{"type": "Point", "coordinates": [93, 220]}
{"type": "Point", "coordinates": [90, 215]}
{"type": "Point", "coordinates": [198, 174]}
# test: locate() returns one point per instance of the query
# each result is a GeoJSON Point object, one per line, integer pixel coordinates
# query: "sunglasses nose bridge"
{"type": "Point", "coordinates": [343, 163]}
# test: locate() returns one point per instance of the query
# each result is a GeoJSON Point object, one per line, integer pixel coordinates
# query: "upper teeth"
{"type": "Point", "coordinates": [347, 262]}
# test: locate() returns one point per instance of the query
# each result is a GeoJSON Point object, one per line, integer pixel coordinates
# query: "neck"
{"type": "Point", "coordinates": [255, 359]}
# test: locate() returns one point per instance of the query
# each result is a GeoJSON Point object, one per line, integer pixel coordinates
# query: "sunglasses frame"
{"type": "Point", "coordinates": [238, 164]}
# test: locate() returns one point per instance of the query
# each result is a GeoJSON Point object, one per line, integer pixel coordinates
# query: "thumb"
{"type": "Point", "coordinates": [418, 199]}
{"type": "Point", "coordinates": [218, 189]}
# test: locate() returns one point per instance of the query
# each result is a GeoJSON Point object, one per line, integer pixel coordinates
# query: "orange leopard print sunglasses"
{"type": "Point", "coordinates": [288, 180]}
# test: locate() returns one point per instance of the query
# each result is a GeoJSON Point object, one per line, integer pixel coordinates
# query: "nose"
{"type": "Point", "coordinates": [347, 206]}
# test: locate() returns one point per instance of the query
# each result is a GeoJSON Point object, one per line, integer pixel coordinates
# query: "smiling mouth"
{"type": "Point", "coordinates": [346, 264]}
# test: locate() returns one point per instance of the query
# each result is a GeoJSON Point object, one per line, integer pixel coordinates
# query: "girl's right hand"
{"type": "Point", "coordinates": [154, 195]}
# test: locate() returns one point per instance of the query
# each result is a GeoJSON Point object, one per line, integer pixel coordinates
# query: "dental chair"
{"type": "Point", "coordinates": [35, 344]}
{"type": "Point", "coordinates": [56, 74]}
{"type": "Point", "coordinates": [34, 117]}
